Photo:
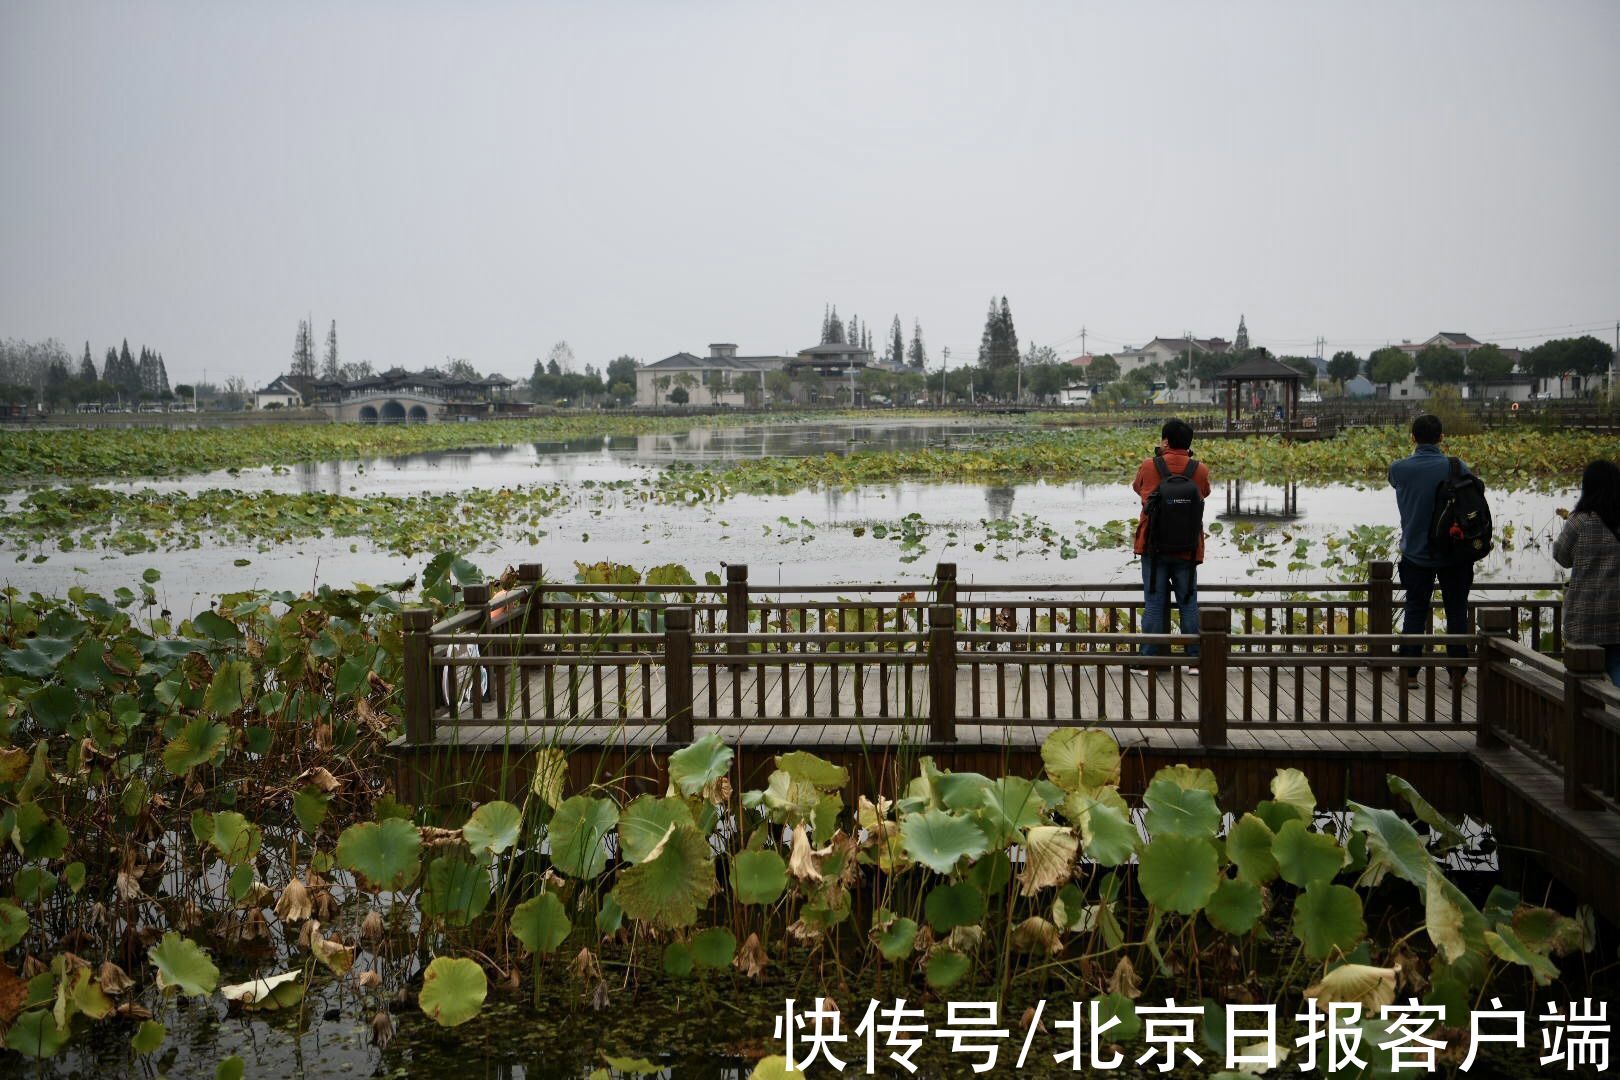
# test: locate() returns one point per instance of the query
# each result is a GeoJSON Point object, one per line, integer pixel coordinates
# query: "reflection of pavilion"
{"type": "Point", "coordinates": [1260, 508]}
{"type": "Point", "coordinates": [998, 501]}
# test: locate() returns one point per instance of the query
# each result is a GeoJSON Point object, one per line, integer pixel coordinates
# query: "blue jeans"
{"type": "Point", "coordinates": [1161, 576]}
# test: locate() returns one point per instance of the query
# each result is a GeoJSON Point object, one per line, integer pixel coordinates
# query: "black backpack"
{"type": "Point", "coordinates": [1460, 530]}
{"type": "Point", "coordinates": [1175, 511]}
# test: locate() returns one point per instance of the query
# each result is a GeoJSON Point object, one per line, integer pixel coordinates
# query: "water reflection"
{"type": "Point", "coordinates": [998, 501]}
{"type": "Point", "coordinates": [1261, 503]}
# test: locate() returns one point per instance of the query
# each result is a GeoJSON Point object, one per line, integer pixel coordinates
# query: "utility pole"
{"type": "Point", "coordinates": [1188, 335]}
{"type": "Point", "coordinates": [1083, 339]}
{"type": "Point", "coordinates": [944, 366]}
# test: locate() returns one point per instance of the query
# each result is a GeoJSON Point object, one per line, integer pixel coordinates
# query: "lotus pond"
{"type": "Point", "coordinates": [207, 873]}
{"type": "Point", "coordinates": [815, 501]}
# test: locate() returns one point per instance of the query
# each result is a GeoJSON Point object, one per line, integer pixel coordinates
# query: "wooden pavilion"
{"type": "Point", "coordinates": [1260, 369]}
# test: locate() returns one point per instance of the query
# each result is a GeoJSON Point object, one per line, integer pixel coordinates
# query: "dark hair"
{"type": "Point", "coordinates": [1600, 493]}
{"type": "Point", "coordinates": [1178, 433]}
{"type": "Point", "coordinates": [1426, 429]}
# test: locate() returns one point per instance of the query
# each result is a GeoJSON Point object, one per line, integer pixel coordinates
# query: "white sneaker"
{"type": "Point", "coordinates": [1141, 671]}
{"type": "Point", "coordinates": [1192, 669]}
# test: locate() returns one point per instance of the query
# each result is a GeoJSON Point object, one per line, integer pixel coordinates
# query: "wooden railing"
{"type": "Point", "coordinates": [941, 654]}
{"type": "Point", "coordinates": [1564, 715]}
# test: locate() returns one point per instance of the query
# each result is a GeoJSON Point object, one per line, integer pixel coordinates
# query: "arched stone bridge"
{"type": "Point", "coordinates": [386, 407]}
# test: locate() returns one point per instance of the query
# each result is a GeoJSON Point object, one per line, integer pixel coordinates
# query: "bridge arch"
{"type": "Point", "coordinates": [368, 414]}
{"type": "Point", "coordinates": [393, 412]}
{"type": "Point", "coordinates": [419, 414]}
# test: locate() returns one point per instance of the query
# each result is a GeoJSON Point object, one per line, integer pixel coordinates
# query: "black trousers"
{"type": "Point", "coordinates": [1419, 583]}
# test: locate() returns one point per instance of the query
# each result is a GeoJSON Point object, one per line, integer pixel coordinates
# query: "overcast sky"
{"type": "Point", "coordinates": [480, 180]}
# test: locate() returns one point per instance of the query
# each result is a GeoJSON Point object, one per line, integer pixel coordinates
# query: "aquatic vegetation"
{"type": "Point", "coordinates": [200, 808]}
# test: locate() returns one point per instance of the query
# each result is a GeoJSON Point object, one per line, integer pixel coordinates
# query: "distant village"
{"type": "Point", "coordinates": [843, 368]}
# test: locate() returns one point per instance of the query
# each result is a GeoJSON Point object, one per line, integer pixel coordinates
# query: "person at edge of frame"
{"type": "Point", "coordinates": [1164, 573]}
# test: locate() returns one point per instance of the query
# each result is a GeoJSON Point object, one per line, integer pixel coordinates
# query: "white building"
{"type": "Point", "coordinates": [721, 378]}
{"type": "Point", "coordinates": [280, 394]}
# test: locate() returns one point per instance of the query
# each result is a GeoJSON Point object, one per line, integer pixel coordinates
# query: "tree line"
{"type": "Point", "coordinates": [1439, 365]}
{"type": "Point", "coordinates": [46, 372]}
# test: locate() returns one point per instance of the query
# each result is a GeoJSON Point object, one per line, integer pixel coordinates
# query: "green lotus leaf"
{"type": "Point", "coordinates": [895, 940]}
{"type": "Point", "coordinates": [541, 923]}
{"type": "Point", "coordinates": [493, 828]}
{"type": "Point", "coordinates": [232, 685]}
{"type": "Point", "coordinates": [199, 742]}
{"type": "Point", "coordinates": [1178, 873]}
{"type": "Point", "coordinates": [1185, 776]}
{"type": "Point", "coordinates": [455, 890]}
{"type": "Point", "coordinates": [1248, 845]}
{"type": "Point", "coordinates": [695, 767]}
{"type": "Point", "coordinates": [453, 990]}
{"type": "Point", "coordinates": [949, 906]}
{"type": "Point", "coordinates": [235, 838]}
{"type": "Point", "coordinates": [1328, 920]}
{"type": "Point", "coordinates": [1235, 907]}
{"type": "Point", "coordinates": [1393, 846]}
{"type": "Point", "coordinates": [1303, 856]}
{"type": "Point", "coordinates": [309, 807]}
{"type": "Point", "coordinates": [232, 1068]}
{"type": "Point", "coordinates": [1545, 931]}
{"type": "Point", "coordinates": [13, 924]}
{"type": "Point", "coordinates": [789, 801]}
{"type": "Point", "coordinates": [609, 917]}
{"type": "Point", "coordinates": [1290, 788]}
{"type": "Point", "coordinates": [38, 656]}
{"type": "Point", "coordinates": [33, 884]}
{"type": "Point", "coordinates": [758, 876]}
{"type": "Point", "coordinates": [774, 1068]}
{"type": "Point", "coordinates": [34, 1034]}
{"type": "Point", "coordinates": [940, 840]}
{"type": "Point", "coordinates": [383, 853]}
{"type": "Point", "coordinates": [1079, 759]}
{"type": "Point", "coordinates": [668, 891]}
{"type": "Point", "coordinates": [182, 964]}
{"type": "Point", "coordinates": [1178, 811]}
{"type": "Point", "coordinates": [53, 706]}
{"type": "Point", "coordinates": [1506, 945]}
{"type": "Point", "coordinates": [805, 766]}
{"type": "Point", "coordinates": [645, 823]}
{"type": "Point", "coordinates": [35, 834]}
{"type": "Point", "coordinates": [960, 791]}
{"type": "Point", "coordinates": [1113, 1005]}
{"type": "Point", "coordinates": [714, 947]}
{"type": "Point", "coordinates": [1450, 836]}
{"type": "Point", "coordinates": [1107, 834]}
{"type": "Point", "coordinates": [1453, 923]}
{"type": "Point", "coordinates": [678, 960]}
{"type": "Point", "coordinates": [946, 968]}
{"type": "Point", "coordinates": [578, 835]}
{"type": "Point", "coordinates": [148, 1037]}
{"type": "Point", "coordinates": [1006, 807]}
{"type": "Point", "coordinates": [1276, 814]}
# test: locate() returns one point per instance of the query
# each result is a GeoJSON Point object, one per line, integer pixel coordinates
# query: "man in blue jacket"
{"type": "Point", "coordinates": [1415, 479]}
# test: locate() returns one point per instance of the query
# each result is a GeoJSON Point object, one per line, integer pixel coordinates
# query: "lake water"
{"type": "Point", "coordinates": [806, 537]}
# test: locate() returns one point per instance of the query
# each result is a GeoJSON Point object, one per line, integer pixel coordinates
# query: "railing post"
{"type": "Point", "coordinates": [1494, 624]}
{"type": "Point", "coordinates": [1214, 647]}
{"type": "Point", "coordinates": [736, 604]}
{"type": "Point", "coordinates": [678, 674]}
{"type": "Point", "coordinates": [1381, 602]}
{"type": "Point", "coordinates": [945, 584]}
{"type": "Point", "coordinates": [415, 623]}
{"type": "Point", "coordinates": [529, 575]}
{"type": "Point", "coordinates": [942, 673]}
{"type": "Point", "coordinates": [1583, 665]}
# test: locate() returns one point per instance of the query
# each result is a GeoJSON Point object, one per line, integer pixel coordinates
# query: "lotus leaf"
{"type": "Point", "coordinates": [668, 890]}
{"type": "Point", "coordinates": [1362, 984]}
{"type": "Point", "coordinates": [1189, 778]}
{"type": "Point", "coordinates": [1106, 832]}
{"type": "Point", "coordinates": [678, 959]}
{"type": "Point", "coordinates": [53, 706]}
{"type": "Point", "coordinates": [493, 828]}
{"type": "Point", "coordinates": [455, 890]}
{"type": "Point", "coordinates": [940, 840]}
{"type": "Point", "coordinates": [1453, 922]}
{"type": "Point", "coordinates": [946, 968]}
{"type": "Point", "coordinates": [148, 1037]}
{"type": "Point", "coordinates": [1080, 759]}
{"type": "Point", "coordinates": [807, 767]}
{"type": "Point", "coordinates": [1249, 845]}
{"type": "Point", "coordinates": [578, 835]}
{"type": "Point", "coordinates": [950, 906]}
{"type": "Point", "coordinates": [13, 924]}
{"type": "Point", "coordinates": [1175, 810]}
{"type": "Point", "coordinates": [309, 807]}
{"type": "Point", "coordinates": [758, 876]}
{"type": "Point", "coordinates": [1545, 931]}
{"type": "Point", "coordinates": [453, 990]}
{"type": "Point", "coordinates": [647, 821]}
{"type": "Point", "coordinates": [384, 854]}
{"type": "Point", "coordinates": [550, 782]}
{"type": "Point", "coordinates": [1235, 907]}
{"type": "Point", "coordinates": [232, 1068]}
{"type": "Point", "coordinates": [35, 834]}
{"type": "Point", "coordinates": [235, 838]}
{"type": "Point", "coordinates": [789, 801]}
{"type": "Point", "coordinates": [1007, 806]}
{"type": "Point", "coordinates": [233, 682]}
{"type": "Point", "coordinates": [1178, 873]}
{"type": "Point", "coordinates": [1290, 788]}
{"type": "Point", "coordinates": [34, 1034]}
{"type": "Point", "coordinates": [198, 743]}
{"type": "Point", "coordinates": [1392, 846]}
{"type": "Point", "coordinates": [1116, 1006]}
{"type": "Point", "coordinates": [896, 939]}
{"type": "Point", "coordinates": [697, 766]}
{"type": "Point", "coordinates": [182, 964]}
{"type": "Point", "coordinates": [1506, 945]}
{"type": "Point", "coordinates": [1050, 851]}
{"type": "Point", "coordinates": [1328, 920]}
{"type": "Point", "coordinates": [1303, 856]}
{"type": "Point", "coordinates": [272, 992]}
{"type": "Point", "coordinates": [1450, 836]}
{"type": "Point", "coordinates": [714, 947]}
{"type": "Point", "coordinates": [774, 1068]}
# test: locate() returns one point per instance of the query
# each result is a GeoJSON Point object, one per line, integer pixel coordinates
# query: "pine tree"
{"type": "Point", "coordinates": [987, 339]}
{"type": "Point", "coordinates": [329, 365]}
{"type": "Point", "coordinates": [917, 355]}
{"type": "Point", "coordinates": [852, 332]}
{"type": "Point", "coordinates": [109, 367]}
{"type": "Point", "coordinates": [835, 329]}
{"type": "Point", "coordinates": [1241, 344]}
{"type": "Point", "coordinates": [1008, 356]}
{"type": "Point", "coordinates": [129, 376]}
{"type": "Point", "coordinates": [826, 325]}
{"type": "Point", "coordinates": [146, 373]}
{"type": "Point", "coordinates": [163, 377]}
{"type": "Point", "coordinates": [303, 357]}
{"type": "Point", "coordinates": [87, 366]}
{"type": "Point", "coordinates": [897, 343]}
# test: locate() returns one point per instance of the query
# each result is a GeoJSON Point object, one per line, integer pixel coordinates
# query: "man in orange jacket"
{"type": "Point", "coordinates": [1175, 569]}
